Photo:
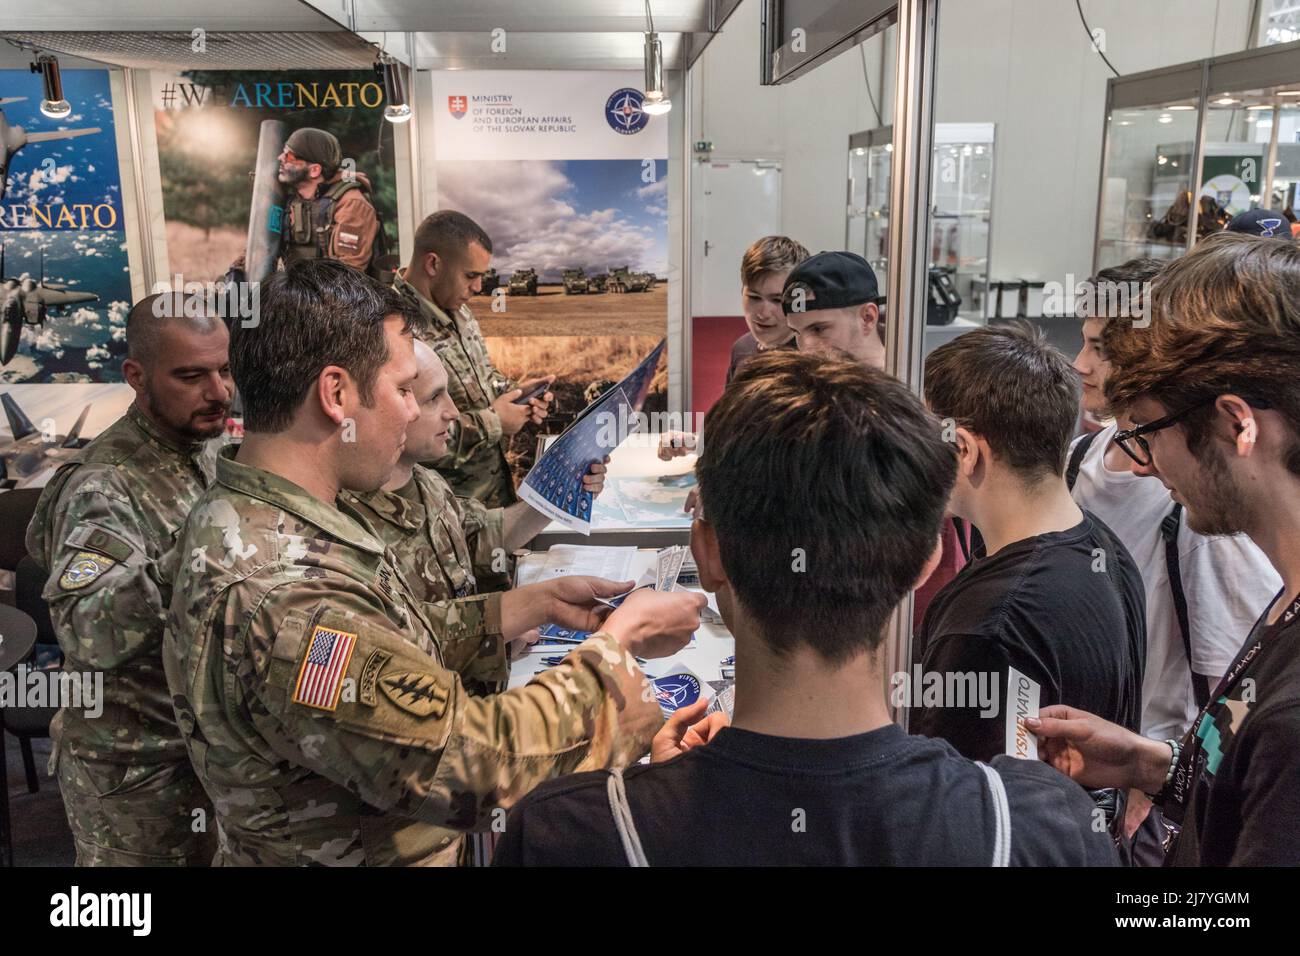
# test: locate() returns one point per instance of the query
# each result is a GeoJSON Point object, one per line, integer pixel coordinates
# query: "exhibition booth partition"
{"type": "Point", "coordinates": [614, 227]}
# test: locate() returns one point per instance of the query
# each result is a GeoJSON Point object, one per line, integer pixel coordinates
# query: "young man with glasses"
{"type": "Point", "coordinates": [1050, 609]}
{"type": "Point", "coordinates": [1214, 413]}
{"type": "Point", "coordinates": [1202, 592]}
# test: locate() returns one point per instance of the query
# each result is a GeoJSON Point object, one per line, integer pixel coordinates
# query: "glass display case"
{"type": "Point", "coordinates": [1188, 147]}
{"type": "Point", "coordinates": [868, 217]}
{"type": "Point", "coordinates": [961, 216]}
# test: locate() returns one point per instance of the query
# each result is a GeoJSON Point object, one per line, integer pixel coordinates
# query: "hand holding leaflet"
{"type": "Point", "coordinates": [554, 485]}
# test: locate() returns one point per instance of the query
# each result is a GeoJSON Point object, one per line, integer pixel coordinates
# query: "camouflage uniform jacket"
{"type": "Point", "coordinates": [475, 464]}
{"type": "Point", "coordinates": [439, 542]}
{"type": "Point", "coordinates": [106, 529]}
{"type": "Point", "coordinates": [317, 709]}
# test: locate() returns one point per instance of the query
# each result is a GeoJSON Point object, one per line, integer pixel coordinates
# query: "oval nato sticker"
{"type": "Point", "coordinates": [676, 690]}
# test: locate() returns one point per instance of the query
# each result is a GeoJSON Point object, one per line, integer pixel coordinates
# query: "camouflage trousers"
{"type": "Point", "coordinates": [136, 815]}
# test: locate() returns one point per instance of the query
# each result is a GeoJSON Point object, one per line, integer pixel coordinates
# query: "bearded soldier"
{"type": "Point", "coordinates": [106, 530]}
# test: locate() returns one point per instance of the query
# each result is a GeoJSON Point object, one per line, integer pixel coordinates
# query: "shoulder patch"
{"type": "Point", "coordinates": [370, 677]}
{"type": "Point", "coordinates": [418, 694]}
{"type": "Point", "coordinates": [84, 568]}
{"type": "Point", "coordinates": [320, 677]}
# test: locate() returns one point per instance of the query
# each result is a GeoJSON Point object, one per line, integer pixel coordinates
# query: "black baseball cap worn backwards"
{"type": "Point", "coordinates": [830, 280]}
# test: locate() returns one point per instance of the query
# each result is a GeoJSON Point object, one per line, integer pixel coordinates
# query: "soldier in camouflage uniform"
{"type": "Point", "coordinates": [443, 545]}
{"type": "Point", "coordinates": [310, 686]}
{"type": "Point", "coordinates": [446, 269]}
{"type": "Point", "coordinates": [105, 528]}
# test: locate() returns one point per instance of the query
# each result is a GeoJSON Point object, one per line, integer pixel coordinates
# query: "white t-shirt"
{"type": "Point", "coordinates": [1227, 581]}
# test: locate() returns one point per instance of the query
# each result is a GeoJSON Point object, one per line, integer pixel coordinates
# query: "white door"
{"type": "Point", "coordinates": [733, 202]}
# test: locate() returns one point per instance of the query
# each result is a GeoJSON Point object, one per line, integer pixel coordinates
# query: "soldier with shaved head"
{"type": "Point", "coordinates": [105, 530]}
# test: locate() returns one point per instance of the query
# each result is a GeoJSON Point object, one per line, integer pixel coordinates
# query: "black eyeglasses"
{"type": "Point", "coordinates": [1133, 444]}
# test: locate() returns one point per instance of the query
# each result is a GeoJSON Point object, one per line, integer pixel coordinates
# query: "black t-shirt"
{"type": "Point", "coordinates": [1067, 610]}
{"type": "Point", "coordinates": [747, 799]}
{"type": "Point", "coordinates": [1244, 775]}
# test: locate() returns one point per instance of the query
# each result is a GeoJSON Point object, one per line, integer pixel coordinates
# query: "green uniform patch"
{"type": "Point", "coordinates": [418, 694]}
{"type": "Point", "coordinates": [83, 569]}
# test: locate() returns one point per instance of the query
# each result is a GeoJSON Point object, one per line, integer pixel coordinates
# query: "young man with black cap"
{"type": "Point", "coordinates": [812, 771]}
{"type": "Point", "coordinates": [831, 303]}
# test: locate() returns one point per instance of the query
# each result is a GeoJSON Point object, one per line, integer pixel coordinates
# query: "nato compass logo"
{"type": "Point", "coordinates": [623, 111]}
{"type": "Point", "coordinates": [676, 691]}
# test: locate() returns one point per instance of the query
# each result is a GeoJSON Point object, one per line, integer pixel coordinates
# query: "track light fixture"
{"type": "Point", "coordinates": [656, 101]}
{"type": "Point", "coordinates": [53, 105]}
{"type": "Point", "coordinates": [397, 110]}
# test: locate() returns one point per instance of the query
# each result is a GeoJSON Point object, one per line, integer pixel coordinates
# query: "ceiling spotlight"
{"type": "Point", "coordinates": [53, 105]}
{"type": "Point", "coordinates": [1164, 118]}
{"type": "Point", "coordinates": [1226, 101]}
{"type": "Point", "coordinates": [397, 109]}
{"type": "Point", "coordinates": [656, 101]}
{"type": "Point", "coordinates": [1180, 107]}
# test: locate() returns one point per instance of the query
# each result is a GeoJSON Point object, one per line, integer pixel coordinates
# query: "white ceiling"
{"type": "Point", "coordinates": [526, 16]}
{"type": "Point", "coordinates": [161, 15]}
{"type": "Point", "coordinates": [334, 50]}
{"type": "Point", "coordinates": [428, 34]}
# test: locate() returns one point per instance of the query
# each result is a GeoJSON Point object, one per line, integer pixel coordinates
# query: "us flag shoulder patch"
{"type": "Point", "coordinates": [320, 679]}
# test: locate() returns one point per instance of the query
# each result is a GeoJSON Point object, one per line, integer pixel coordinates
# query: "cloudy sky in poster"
{"type": "Point", "coordinates": [551, 215]}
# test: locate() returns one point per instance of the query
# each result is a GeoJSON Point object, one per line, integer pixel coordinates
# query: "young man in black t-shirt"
{"type": "Point", "coordinates": [1051, 610]}
{"type": "Point", "coordinates": [1211, 393]}
{"type": "Point", "coordinates": [823, 487]}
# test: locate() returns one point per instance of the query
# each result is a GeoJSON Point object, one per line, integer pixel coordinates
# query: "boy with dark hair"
{"type": "Point", "coordinates": [1051, 608]}
{"type": "Point", "coordinates": [807, 569]}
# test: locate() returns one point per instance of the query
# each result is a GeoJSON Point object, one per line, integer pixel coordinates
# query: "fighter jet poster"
{"type": "Point", "coordinates": [567, 173]}
{"type": "Point", "coordinates": [208, 126]}
{"type": "Point", "coordinates": [65, 285]}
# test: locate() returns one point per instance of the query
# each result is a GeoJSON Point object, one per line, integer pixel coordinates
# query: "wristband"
{"type": "Point", "coordinates": [1176, 751]}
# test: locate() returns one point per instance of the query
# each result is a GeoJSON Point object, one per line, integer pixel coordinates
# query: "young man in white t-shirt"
{"type": "Point", "coordinates": [1226, 581]}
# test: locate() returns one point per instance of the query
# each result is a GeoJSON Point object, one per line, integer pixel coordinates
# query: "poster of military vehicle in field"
{"type": "Point", "coordinates": [578, 283]}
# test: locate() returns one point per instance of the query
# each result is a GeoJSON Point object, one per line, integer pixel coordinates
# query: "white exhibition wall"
{"type": "Point", "coordinates": [1025, 65]}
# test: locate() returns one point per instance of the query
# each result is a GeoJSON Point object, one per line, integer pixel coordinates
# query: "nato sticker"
{"type": "Point", "coordinates": [1022, 702]}
{"type": "Point", "coordinates": [623, 111]}
{"type": "Point", "coordinates": [676, 691]}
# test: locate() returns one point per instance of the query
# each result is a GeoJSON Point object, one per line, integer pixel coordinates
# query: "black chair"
{"type": "Point", "coordinates": [16, 509]}
{"type": "Point", "coordinates": [26, 723]}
